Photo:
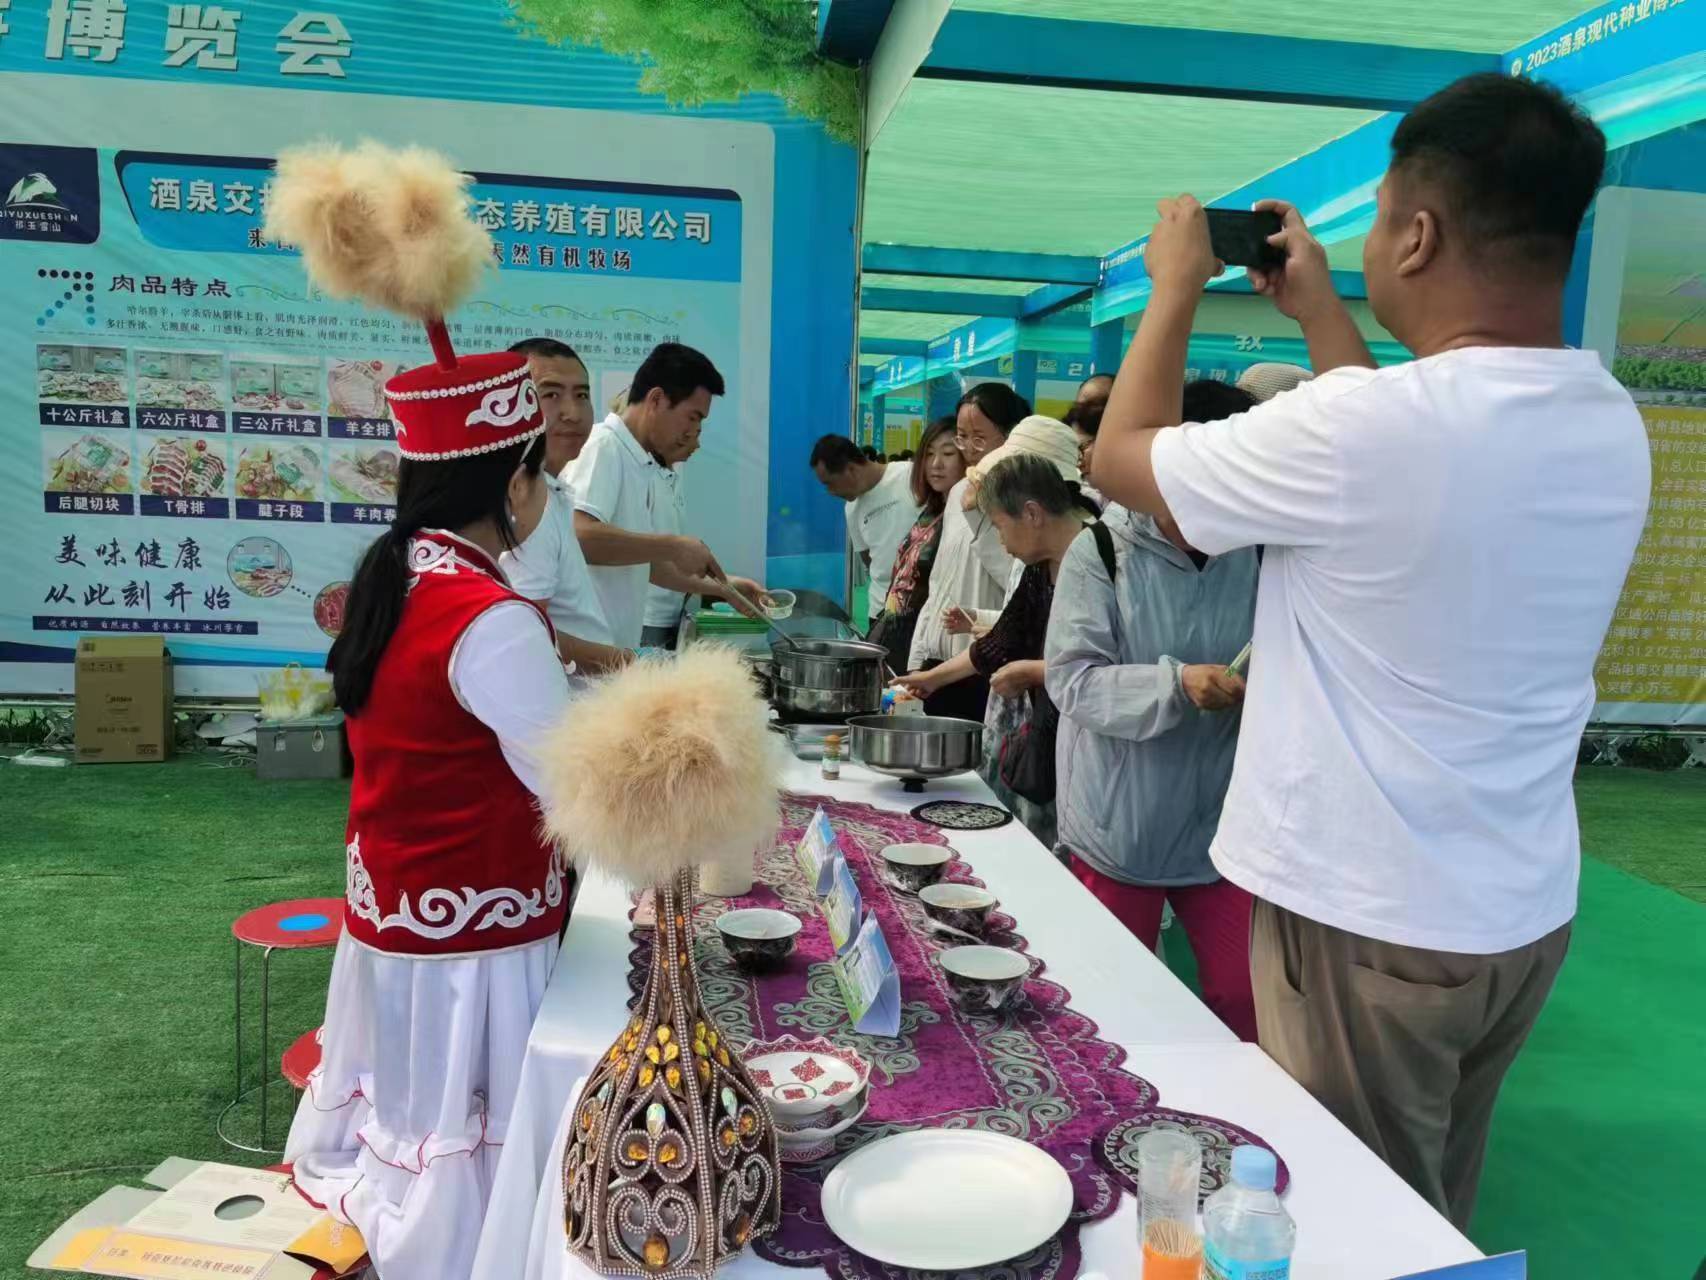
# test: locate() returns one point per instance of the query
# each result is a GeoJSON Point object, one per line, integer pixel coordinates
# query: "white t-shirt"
{"type": "Point", "coordinates": [614, 480]}
{"type": "Point", "coordinates": [1446, 542]}
{"type": "Point", "coordinates": [669, 513]}
{"type": "Point", "coordinates": [878, 521]}
{"type": "Point", "coordinates": [549, 566]}
{"type": "Point", "coordinates": [971, 570]}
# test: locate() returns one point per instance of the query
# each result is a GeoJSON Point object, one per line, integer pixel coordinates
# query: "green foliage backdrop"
{"type": "Point", "coordinates": [701, 51]}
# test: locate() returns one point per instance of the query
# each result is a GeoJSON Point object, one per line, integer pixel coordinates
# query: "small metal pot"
{"type": "Point", "coordinates": [829, 664]}
{"type": "Point", "coordinates": [916, 748]}
{"type": "Point", "coordinates": [827, 679]}
{"type": "Point", "coordinates": [827, 704]}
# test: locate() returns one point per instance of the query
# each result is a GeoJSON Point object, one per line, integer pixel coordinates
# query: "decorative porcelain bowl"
{"type": "Point", "coordinates": [912, 866]}
{"type": "Point", "coordinates": [959, 906]}
{"type": "Point", "coordinates": [758, 937]}
{"type": "Point", "coordinates": [805, 1080]}
{"type": "Point", "coordinates": [984, 979]}
{"type": "Point", "coordinates": [803, 1146]}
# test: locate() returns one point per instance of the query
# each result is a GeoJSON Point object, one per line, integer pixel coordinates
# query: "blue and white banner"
{"type": "Point", "coordinates": [199, 444]}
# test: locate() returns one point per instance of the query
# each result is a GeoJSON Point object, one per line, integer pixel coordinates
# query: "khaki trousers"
{"type": "Point", "coordinates": [1407, 1047]}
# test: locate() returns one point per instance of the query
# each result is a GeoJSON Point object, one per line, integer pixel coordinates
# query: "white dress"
{"type": "Point", "coordinates": [399, 1129]}
{"type": "Point", "coordinates": [972, 570]}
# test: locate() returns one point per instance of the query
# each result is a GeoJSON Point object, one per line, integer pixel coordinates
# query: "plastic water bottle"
{"type": "Point", "coordinates": [1248, 1235]}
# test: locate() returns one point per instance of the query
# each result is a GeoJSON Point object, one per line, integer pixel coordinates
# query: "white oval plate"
{"type": "Point", "coordinates": [946, 1199]}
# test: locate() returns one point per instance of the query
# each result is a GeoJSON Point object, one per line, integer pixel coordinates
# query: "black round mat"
{"type": "Point", "coordinates": [962, 815]}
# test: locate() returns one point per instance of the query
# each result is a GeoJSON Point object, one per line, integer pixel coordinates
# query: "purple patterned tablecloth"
{"type": "Point", "coordinates": [1038, 1072]}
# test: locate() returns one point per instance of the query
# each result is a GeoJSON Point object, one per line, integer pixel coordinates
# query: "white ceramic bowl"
{"type": "Point", "coordinates": [959, 906]}
{"type": "Point", "coordinates": [758, 936]}
{"type": "Point", "coordinates": [912, 866]}
{"type": "Point", "coordinates": [984, 979]}
{"type": "Point", "coordinates": [805, 1079]}
{"type": "Point", "coordinates": [803, 1146]}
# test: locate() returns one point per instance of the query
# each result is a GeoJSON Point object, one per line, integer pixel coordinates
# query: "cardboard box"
{"type": "Point", "coordinates": [124, 699]}
{"type": "Point", "coordinates": [289, 749]}
{"type": "Point", "coordinates": [208, 1218]}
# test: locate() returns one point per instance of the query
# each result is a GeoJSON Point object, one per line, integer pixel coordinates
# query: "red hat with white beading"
{"type": "Point", "coordinates": [392, 227]}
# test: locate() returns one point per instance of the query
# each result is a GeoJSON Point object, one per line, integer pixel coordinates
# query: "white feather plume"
{"type": "Point", "coordinates": [665, 766]}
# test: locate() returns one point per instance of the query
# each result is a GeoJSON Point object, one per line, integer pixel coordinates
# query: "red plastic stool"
{"type": "Point", "coordinates": [298, 925]}
{"type": "Point", "coordinates": [301, 1058]}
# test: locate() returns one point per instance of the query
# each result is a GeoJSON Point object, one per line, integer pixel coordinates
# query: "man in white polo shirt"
{"type": "Point", "coordinates": [664, 607]}
{"type": "Point", "coordinates": [549, 566]}
{"type": "Point", "coordinates": [1445, 542]}
{"type": "Point", "coordinates": [614, 482]}
{"type": "Point", "coordinates": [880, 507]}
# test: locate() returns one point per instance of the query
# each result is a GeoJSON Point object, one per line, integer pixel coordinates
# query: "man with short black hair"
{"type": "Point", "coordinates": [665, 608]}
{"type": "Point", "coordinates": [1445, 543]}
{"type": "Point", "coordinates": [1092, 395]}
{"type": "Point", "coordinates": [615, 487]}
{"type": "Point", "coordinates": [881, 509]}
{"type": "Point", "coordinates": [549, 567]}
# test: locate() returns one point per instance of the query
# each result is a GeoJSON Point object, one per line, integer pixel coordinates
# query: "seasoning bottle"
{"type": "Point", "coordinates": [832, 756]}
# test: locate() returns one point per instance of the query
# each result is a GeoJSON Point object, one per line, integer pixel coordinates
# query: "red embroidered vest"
{"type": "Point", "coordinates": [444, 845]}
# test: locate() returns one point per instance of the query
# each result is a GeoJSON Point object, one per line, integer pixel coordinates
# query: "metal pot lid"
{"type": "Point", "coordinates": [914, 724]}
{"type": "Point", "coordinates": [834, 649]}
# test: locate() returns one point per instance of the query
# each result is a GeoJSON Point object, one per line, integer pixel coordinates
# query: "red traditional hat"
{"type": "Point", "coordinates": [392, 228]}
{"type": "Point", "coordinates": [479, 404]}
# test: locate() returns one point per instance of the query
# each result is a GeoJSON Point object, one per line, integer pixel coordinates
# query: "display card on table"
{"type": "Point", "coordinates": [869, 982]}
{"type": "Point", "coordinates": [814, 852]}
{"type": "Point", "coordinates": [842, 908]}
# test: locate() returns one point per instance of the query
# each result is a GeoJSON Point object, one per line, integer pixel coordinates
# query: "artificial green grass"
{"type": "Point", "coordinates": [120, 884]}
{"type": "Point", "coordinates": [1652, 825]}
{"type": "Point", "coordinates": [1597, 1164]}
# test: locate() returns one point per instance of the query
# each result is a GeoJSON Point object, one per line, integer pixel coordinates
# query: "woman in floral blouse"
{"type": "Point", "coordinates": [936, 468]}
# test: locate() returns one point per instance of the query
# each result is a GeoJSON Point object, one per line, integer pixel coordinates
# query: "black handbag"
{"type": "Point", "coordinates": [1027, 763]}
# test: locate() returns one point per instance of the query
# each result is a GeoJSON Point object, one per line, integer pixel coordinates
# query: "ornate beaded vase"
{"type": "Point", "coordinates": [671, 1167]}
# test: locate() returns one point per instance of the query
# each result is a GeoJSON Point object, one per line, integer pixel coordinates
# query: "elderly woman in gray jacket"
{"type": "Point", "coordinates": [1137, 665]}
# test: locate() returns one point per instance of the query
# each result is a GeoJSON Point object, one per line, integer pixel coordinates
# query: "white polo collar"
{"type": "Point", "coordinates": [630, 441]}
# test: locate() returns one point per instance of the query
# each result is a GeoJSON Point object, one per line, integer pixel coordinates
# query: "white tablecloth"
{"type": "Point", "coordinates": [1136, 1001]}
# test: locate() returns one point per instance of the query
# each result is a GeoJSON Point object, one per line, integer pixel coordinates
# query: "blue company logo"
{"type": "Point", "coordinates": [52, 194]}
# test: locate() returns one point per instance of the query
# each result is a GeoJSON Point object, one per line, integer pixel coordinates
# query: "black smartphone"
{"type": "Point", "coordinates": [1240, 237]}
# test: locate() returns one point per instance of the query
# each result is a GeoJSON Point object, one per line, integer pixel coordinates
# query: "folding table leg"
{"type": "Point", "coordinates": [238, 946]}
{"type": "Point", "coordinates": [266, 1004]}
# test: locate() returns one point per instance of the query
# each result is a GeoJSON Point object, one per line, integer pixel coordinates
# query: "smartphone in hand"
{"type": "Point", "coordinates": [1240, 237]}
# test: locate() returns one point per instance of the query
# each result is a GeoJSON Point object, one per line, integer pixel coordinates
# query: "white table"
{"type": "Point", "coordinates": [1133, 997]}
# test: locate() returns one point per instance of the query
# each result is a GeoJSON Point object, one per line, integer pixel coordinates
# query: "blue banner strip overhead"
{"type": "Point", "coordinates": [1333, 186]}
{"type": "Point", "coordinates": [979, 264]}
{"type": "Point", "coordinates": [973, 343]}
{"type": "Point", "coordinates": [934, 302]}
{"type": "Point", "coordinates": [208, 450]}
{"type": "Point", "coordinates": [1005, 48]}
{"type": "Point", "coordinates": [1638, 68]}
{"type": "Point", "coordinates": [1607, 42]}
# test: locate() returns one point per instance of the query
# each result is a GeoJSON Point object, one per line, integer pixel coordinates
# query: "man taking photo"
{"type": "Point", "coordinates": [1445, 543]}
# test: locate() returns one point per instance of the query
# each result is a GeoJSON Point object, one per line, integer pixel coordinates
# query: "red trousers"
{"type": "Point", "coordinates": [1216, 918]}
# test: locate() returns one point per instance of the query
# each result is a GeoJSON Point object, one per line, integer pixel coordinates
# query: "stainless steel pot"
{"type": "Point", "coordinates": [827, 679]}
{"type": "Point", "coordinates": [829, 664]}
{"type": "Point", "coordinates": [916, 748]}
{"type": "Point", "coordinates": [827, 704]}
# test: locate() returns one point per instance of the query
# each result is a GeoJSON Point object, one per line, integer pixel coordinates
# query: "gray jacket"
{"type": "Point", "coordinates": [1141, 772]}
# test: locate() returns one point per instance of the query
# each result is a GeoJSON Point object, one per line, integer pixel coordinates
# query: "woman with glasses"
{"type": "Point", "coordinates": [936, 469]}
